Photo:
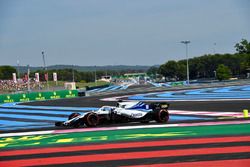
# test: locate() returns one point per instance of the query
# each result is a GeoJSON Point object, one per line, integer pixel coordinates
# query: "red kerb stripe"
{"type": "Point", "coordinates": [123, 156]}
{"type": "Point", "coordinates": [219, 163]}
{"type": "Point", "coordinates": [125, 145]}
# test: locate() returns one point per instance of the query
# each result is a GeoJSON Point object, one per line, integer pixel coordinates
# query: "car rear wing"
{"type": "Point", "coordinates": [159, 105]}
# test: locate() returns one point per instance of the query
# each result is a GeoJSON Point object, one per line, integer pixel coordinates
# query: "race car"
{"type": "Point", "coordinates": [121, 113]}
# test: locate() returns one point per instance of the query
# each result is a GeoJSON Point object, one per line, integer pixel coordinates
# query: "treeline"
{"type": "Point", "coordinates": [68, 74]}
{"type": "Point", "coordinates": [6, 72]}
{"type": "Point", "coordinates": [65, 74]}
{"type": "Point", "coordinates": [208, 66]}
{"type": "Point", "coordinates": [23, 69]}
{"type": "Point", "coordinates": [78, 76]}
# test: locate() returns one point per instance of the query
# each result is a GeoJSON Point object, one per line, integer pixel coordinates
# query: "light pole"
{"type": "Point", "coordinates": [28, 77]}
{"type": "Point", "coordinates": [18, 69]}
{"type": "Point", "coordinates": [73, 74]}
{"type": "Point", "coordinates": [45, 70]}
{"type": "Point", "coordinates": [95, 75]}
{"type": "Point", "coordinates": [214, 48]}
{"type": "Point", "coordinates": [186, 43]}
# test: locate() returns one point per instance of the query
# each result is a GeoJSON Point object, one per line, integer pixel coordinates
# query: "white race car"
{"type": "Point", "coordinates": [121, 113]}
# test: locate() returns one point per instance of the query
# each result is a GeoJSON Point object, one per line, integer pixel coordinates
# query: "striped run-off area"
{"type": "Point", "coordinates": [111, 88]}
{"type": "Point", "coordinates": [207, 113]}
{"type": "Point", "coordinates": [199, 137]}
{"type": "Point", "coordinates": [33, 117]}
{"type": "Point", "coordinates": [15, 117]}
{"type": "Point", "coordinates": [202, 94]}
{"type": "Point", "coordinates": [223, 151]}
{"type": "Point", "coordinates": [225, 145]}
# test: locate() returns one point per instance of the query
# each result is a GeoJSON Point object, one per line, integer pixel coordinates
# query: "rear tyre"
{"type": "Point", "coordinates": [91, 120]}
{"type": "Point", "coordinates": [162, 116]}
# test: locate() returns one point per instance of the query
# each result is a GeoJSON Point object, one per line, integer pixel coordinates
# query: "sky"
{"type": "Point", "coordinates": [118, 32]}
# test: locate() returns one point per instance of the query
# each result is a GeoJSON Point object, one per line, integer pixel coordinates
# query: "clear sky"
{"type": "Point", "coordinates": [118, 32]}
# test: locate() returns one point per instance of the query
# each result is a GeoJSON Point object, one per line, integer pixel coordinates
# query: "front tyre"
{"type": "Point", "coordinates": [73, 115]}
{"type": "Point", "coordinates": [91, 120]}
{"type": "Point", "coordinates": [75, 123]}
{"type": "Point", "coordinates": [162, 116]}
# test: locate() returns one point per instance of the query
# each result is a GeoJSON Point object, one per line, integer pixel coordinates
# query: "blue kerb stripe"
{"type": "Point", "coordinates": [94, 90]}
{"type": "Point", "coordinates": [103, 89]}
{"type": "Point", "coordinates": [36, 117]}
{"type": "Point", "coordinates": [124, 87]}
{"type": "Point", "coordinates": [107, 88]}
{"type": "Point", "coordinates": [185, 118]}
{"type": "Point", "coordinates": [23, 127]}
{"type": "Point", "coordinates": [183, 98]}
{"type": "Point", "coordinates": [207, 95]}
{"type": "Point", "coordinates": [246, 88]}
{"type": "Point", "coordinates": [12, 125]}
{"type": "Point", "coordinates": [18, 124]}
{"type": "Point", "coordinates": [222, 90]}
{"type": "Point", "coordinates": [21, 123]}
{"type": "Point", "coordinates": [36, 111]}
{"type": "Point", "coordinates": [232, 92]}
{"type": "Point", "coordinates": [16, 127]}
{"type": "Point", "coordinates": [116, 88]}
{"type": "Point", "coordinates": [13, 105]}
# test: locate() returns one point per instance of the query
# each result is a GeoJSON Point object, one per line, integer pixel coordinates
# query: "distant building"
{"type": "Point", "coordinates": [70, 85]}
{"type": "Point", "coordinates": [106, 78]}
{"type": "Point", "coordinates": [133, 75]}
{"type": "Point", "coordinates": [139, 77]}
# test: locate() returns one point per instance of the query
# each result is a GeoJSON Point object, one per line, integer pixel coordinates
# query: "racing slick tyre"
{"type": "Point", "coordinates": [91, 120]}
{"type": "Point", "coordinates": [73, 115]}
{"type": "Point", "coordinates": [58, 123]}
{"type": "Point", "coordinates": [75, 124]}
{"type": "Point", "coordinates": [162, 116]}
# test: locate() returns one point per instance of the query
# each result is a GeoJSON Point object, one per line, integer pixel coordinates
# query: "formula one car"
{"type": "Point", "coordinates": [121, 113]}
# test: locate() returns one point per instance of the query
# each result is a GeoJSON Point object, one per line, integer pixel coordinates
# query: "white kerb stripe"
{"type": "Point", "coordinates": [27, 133]}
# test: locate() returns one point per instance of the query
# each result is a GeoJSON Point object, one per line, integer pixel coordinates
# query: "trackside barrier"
{"type": "Point", "coordinates": [36, 96]}
{"type": "Point", "coordinates": [180, 83]}
{"type": "Point", "coordinates": [97, 87]}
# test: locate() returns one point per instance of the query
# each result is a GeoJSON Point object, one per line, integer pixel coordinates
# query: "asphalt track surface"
{"type": "Point", "coordinates": [95, 101]}
{"type": "Point", "coordinates": [225, 145]}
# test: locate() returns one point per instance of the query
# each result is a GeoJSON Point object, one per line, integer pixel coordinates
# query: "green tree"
{"type": "Point", "coordinates": [204, 66]}
{"type": "Point", "coordinates": [152, 71]}
{"type": "Point", "coordinates": [223, 72]}
{"type": "Point", "coordinates": [6, 72]}
{"type": "Point", "coordinates": [169, 69]}
{"type": "Point", "coordinates": [182, 71]}
{"type": "Point", "coordinates": [243, 46]}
